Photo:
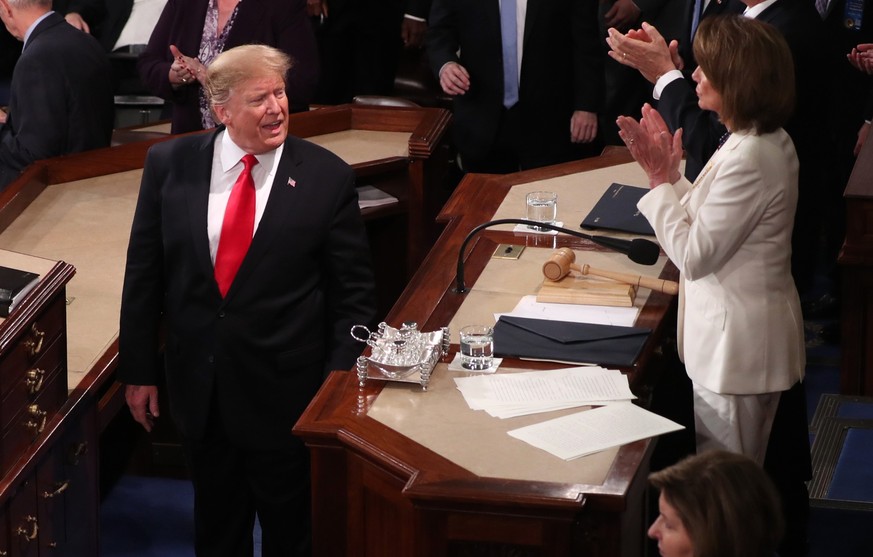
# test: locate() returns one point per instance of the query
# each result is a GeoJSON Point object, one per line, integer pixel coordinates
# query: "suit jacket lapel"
{"type": "Point", "coordinates": [196, 178]}
{"type": "Point", "coordinates": [533, 11]}
{"type": "Point", "coordinates": [276, 213]}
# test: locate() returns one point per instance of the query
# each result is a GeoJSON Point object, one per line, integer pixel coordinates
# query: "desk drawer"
{"type": "Point", "coordinates": [34, 381]}
{"type": "Point", "coordinates": [27, 425]}
{"type": "Point", "coordinates": [32, 344]}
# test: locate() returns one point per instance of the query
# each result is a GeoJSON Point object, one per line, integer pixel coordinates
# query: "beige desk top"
{"type": "Point", "coordinates": [440, 418]}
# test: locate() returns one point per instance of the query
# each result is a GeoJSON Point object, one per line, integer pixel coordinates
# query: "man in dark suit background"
{"type": "Point", "coordinates": [360, 44]}
{"type": "Point", "coordinates": [559, 80]}
{"type": "Point", "coordinates": [61, 92]}
{"type": "Point", "coordinates": [246, 351]}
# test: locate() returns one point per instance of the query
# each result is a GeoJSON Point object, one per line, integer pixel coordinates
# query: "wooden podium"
{"type": "Point", "coordinates": [416, 474]}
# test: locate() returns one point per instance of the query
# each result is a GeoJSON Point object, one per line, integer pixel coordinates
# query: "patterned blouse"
{"type": "Point", "coordinates": [211, 45]}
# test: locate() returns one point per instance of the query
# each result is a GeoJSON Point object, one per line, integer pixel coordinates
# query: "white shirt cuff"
{"type": "Point", "coordinates": [414, 18]}
{"type": "Point", "coordinates": [665, 80]}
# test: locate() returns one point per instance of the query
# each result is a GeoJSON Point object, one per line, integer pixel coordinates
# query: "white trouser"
{"type": "Point", "coordinates": [735, 423]}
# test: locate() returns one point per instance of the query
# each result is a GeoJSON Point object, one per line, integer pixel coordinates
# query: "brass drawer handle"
{"type": "Point", "coordinates": [60, 488]}
{"type": "Point", "coordinates": [40, 415]}
{"type": "Point", "coordinates": [77, 451]}
{"type": "Point", "coordinates": [34, 380]}
{"type": "Point", "coordinates": [34, 343]}
{"type": "Point", "coordinates": [34, 530]}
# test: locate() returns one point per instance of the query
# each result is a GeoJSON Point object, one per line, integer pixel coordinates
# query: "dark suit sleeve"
{"type": "Point", "coordinates": [701, 129]}
{"type": "Point", "coordinates": [588, 77]}
{"type": "Point", "coordinates": [350, 285]}
{"type": "Point", "coordinates": [418, 8]}
{"type": "Point", "coordinates": [142, 297]}
{"type": "Point", "coordinates": [442, 35]}
{"type": "Point", "coordinates": [155, 61]}
{"type": "Point", "coordinates": [92, 11]}
{"type": "Point", "coordinates": [46, 108]}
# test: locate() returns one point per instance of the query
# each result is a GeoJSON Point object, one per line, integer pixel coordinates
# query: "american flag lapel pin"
{"type": "Point", "coordinates": [292, 182]}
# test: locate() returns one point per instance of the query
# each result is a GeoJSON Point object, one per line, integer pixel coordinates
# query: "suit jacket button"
{"type": "Point", "coordinates": [221, 315]}
{"type": "Point", "coordinates": [211, 359]}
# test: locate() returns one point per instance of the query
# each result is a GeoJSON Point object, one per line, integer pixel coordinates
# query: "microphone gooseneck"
{"type": "Point", "coordinates": [638, 250]}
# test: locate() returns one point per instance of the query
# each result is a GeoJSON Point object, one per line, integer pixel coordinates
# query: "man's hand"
{"type": "Point", "coordinates": [454, 79]}
{"type": "Point", "coordinates": [412, 32]}
{"type": "Point", "coordinates": [645, 50]}
{"type": "Point", "coordinates": [76, 21]}
{"type": "Point", "coordinates": [583, 126]}
{"type": "Point", "coordinates": [657, 151]}
{"type": "Point", "coordinates": [862, 57]}
{"type": "Point", "coordinates": [3, 116]}
{"type": "Point", "coordinates": [622, 14]}
{"type": "Point", "coordinates": [143, 403]}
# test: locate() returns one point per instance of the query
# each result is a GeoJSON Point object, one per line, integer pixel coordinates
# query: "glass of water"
{"type": "Point", "coordinates": [477, 347]}
{"type": "Point", "coordinates": [542, 206]}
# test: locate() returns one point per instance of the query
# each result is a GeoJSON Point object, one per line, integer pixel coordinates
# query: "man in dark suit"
{"type": "Point", "coordinates": [247, 349]}
{"type": "Point", "coordinates": [559, 77]}
{"type": "Point", "coordinates": [360, 43]}
{"type": "Point", "coordinates": [61, 91]}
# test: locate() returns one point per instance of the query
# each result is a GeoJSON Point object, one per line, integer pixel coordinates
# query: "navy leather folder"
{"type": "Point", "coordinates": [563, 341]}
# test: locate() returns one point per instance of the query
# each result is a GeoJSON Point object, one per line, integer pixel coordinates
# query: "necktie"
{"type": "Point", "coordinates": [695, 17]}
{"type": "Point", "coordinates": [509, 34]}
{"type": "Point", "coordinates": [237, 228]}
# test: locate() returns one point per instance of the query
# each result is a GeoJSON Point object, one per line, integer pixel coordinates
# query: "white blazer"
{"type": "Point", "coordinates": [729, 233]}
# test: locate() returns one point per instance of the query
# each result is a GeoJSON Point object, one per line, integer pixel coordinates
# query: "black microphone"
{"type": "Point", "coordinates": [638, 250]}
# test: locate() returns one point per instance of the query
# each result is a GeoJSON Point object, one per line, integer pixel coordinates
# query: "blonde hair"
{"type": "Point", "coordinates": [236, 65]}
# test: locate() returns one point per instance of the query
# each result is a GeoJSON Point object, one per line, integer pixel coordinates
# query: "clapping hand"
{"type": "Point", "coordinates": [185, 70]}
{"type": "Point", "coordinates": [652, 145]}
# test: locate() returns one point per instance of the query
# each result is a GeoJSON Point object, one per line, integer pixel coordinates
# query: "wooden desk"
{"type": "Point", "coordinates": [377, 491]}
{"type": "Point", "coordinates": [856, 260]}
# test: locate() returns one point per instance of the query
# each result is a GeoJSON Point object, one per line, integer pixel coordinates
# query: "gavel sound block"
{"type": "Point", "coordinates": [562, 287]}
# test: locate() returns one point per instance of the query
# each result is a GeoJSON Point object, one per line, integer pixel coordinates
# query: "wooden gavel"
{"type": "Point", "coordinates": [562, 261]}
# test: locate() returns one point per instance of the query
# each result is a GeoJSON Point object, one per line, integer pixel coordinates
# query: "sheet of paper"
{"type": "Point", "coordinates": [368, 196]}
{"type": "Point", "coordinates": [594, 430]}
{"type": "Point", "coordinates": [575, 313]}
{"type": "Point", "coordinates": [518, 394]}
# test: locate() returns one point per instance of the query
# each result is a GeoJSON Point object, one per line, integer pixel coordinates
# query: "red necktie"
{"type": "Point", "coordinates": [237, 228]}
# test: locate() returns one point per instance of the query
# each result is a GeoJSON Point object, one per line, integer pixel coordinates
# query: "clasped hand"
{"type": "Point", "coordinates": [652, 145]}
{"type": "Point", "coordinates": [184, 69]}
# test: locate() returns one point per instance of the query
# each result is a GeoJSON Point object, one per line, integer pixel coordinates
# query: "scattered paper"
{"type": "Point", "coordinates": [517, 394]}
{"type": "Point", "coordinates": [594, 430]}
{"type": "Point", "coordinates": [368, 196]}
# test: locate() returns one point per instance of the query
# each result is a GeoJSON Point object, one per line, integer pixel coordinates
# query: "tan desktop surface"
{"type": "Point", "coordinates": [440, 419]}
{"type": "Point", "coordinates": [86, 224]}
{"type": "Point", "coordinates": [358, 146]}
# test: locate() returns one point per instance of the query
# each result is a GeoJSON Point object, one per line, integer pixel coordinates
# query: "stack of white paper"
{"type": "Point", "coordinates": [507, 395]}
{"type": "Point", "coordinates": [594, 430]}
{"type": "Point", "coordinates": [368, 196]}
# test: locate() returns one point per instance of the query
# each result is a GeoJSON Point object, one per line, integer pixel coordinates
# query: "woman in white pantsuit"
{"type": "Point", "coordinates": [729, 233]}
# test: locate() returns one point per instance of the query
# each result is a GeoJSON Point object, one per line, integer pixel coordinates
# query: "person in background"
{"type": "Point", "coordinates": [716, 504]}
{"type": "Point", "coordinates": [360, 43]}
{"type": "Point", "coordinates": [526, 80]}
{"type": "Point", "coordinates": [191, 33]}
{"type": "Point", "coordinates": [61, 90]}
{"type": "Point", "coordinates": [248, 250]}
{"type": "Point", "coordinates": [740, 325]}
